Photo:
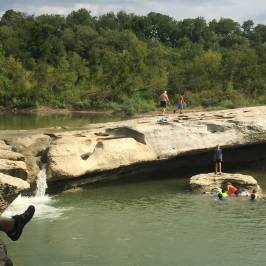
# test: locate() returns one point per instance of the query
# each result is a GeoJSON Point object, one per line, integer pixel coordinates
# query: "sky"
{"type": "Point", "coordinates": [239, 10]}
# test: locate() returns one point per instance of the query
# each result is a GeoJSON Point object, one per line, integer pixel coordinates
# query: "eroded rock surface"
{"type": "Point", "coordinates": [30, 146]}
{"type": "Point", "coordinates": [12, 163]}
{"type": "Point", "coordinates": [10, 187]}
{"type": "Point", "coordinates": [11, 155]}
{"type": "Point", "coordinates": [208, 182]}
{"type": "Point", "coordinates": [73, 156]}
{"type": "Point", "coordinates": [13, 168]}
{"type": "Point", "coordinates": [4, 146]}
{"type": "Point", "coordinates": [111, 145]}
{"type": "Point", "coordinates": [100, 147]}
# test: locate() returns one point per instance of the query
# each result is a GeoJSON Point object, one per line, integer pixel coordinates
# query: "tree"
{"type": "Point", "coordinates": [80, 17]}
{"type": "Point", "coordinates": [247, 27]}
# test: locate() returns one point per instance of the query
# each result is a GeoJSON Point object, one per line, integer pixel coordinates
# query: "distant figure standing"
{"type": "Point", "coordinates": [163, 101]}
{"type": "Point", "coordinates": [181, 104]}
{"type": "Point", "coordinates": [218, 158]}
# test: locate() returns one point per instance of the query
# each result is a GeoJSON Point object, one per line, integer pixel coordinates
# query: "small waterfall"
{"type": "Point", "coordinates": [41, 181]}
{"type": "Point", "coordinates": [43, 203]}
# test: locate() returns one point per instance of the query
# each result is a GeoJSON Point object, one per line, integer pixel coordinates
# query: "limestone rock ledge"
{"type": "Point", "coordinates": [75, 157]}
{"type": "Point", "coordinates": [95, 148]}
{"type": "Point", "coordinates": [207, 182]}
{"type": "Point", "coordinates": [112, 145]}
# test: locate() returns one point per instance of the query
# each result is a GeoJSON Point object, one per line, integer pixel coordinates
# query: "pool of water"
{"type": "Point", "coordinates": [153, 223]}
{"type": "Point", "coordinates": [37, 120]}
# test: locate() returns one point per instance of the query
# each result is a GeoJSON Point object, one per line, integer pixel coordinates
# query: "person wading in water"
{"type": "Point", "coordinates": [163, 101]}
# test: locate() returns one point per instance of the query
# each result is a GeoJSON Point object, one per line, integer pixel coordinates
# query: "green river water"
{"type": "Point", "coordinates": [155, 222]}
{"type": "Point", "coordinates": [34, 120]}
{"type": "Point", "coordinates": [150, 223]}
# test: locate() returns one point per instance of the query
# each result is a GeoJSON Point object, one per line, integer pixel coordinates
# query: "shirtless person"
{"type": "Point", "coordinates": [163, 100]}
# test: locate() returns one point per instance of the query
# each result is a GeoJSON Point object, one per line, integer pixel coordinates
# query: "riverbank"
{"type": "Point", "coordinates": [47, 110]}
{"type": "Point", "coordinates": [88, 154]}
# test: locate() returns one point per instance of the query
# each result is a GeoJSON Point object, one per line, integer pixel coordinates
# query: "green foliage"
{"type": "Point", "coordinates": [123, 61]}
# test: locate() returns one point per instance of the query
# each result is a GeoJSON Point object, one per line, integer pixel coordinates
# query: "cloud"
{"type": "Point", "coordinates": [179, 9]}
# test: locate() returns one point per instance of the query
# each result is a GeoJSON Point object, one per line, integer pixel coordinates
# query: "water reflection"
{"type": "Point", "coordinates": [34, 120]}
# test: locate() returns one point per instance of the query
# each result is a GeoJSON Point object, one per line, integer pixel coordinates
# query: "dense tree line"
{"type": "Point", "coordinates": [122, 61]}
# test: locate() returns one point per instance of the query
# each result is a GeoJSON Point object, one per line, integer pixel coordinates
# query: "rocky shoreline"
{"type": "Point", "coordinates": [98, 148]}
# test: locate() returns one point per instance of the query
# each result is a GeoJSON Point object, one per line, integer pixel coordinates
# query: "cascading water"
{"type": "Point", "coordinates": [41, 181]}
{"type": "Point", "coordinates": [43, 203]}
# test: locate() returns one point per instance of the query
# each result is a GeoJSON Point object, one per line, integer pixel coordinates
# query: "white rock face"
{"type": "Point", "coordinates": [111, 145]}
{"type": "Point", "coordinates": [73, 157]}
{"type": "Point", "coordinates": [210, 181]}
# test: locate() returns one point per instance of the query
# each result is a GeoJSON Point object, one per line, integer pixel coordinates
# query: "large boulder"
{"type": "Point", "coordinates": [10, 187]}
{"type": "Point", "coordinates": [206, 183]}
{"type": "Point", "coordinates": [14, 168]}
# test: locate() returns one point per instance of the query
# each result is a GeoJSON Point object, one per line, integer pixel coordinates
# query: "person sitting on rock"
{"type": "Point", "coordinates": [218, 158]}
{"type": "Point", "coordinates": [13, 227]}
{"type": "Point", "coordinates": [253, 195]}
{"type": "Point", "coordinates": [231, 190]}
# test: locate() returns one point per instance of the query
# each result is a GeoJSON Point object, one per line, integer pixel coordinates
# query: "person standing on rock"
{"type": "Point", "coordinates": [181, 104]}
{"type": "Point", "coordinates": [218, 158]}
{"type": "Point", "coordinates": [13, 227]}
{"type": "Point", "coordinates": [163, 101]}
